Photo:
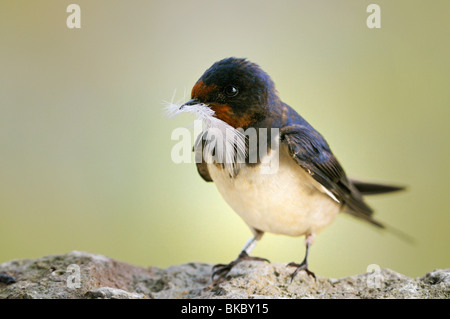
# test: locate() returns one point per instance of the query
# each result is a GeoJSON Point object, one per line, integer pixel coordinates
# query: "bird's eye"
{"type": "Point", "coordinates": [231, 90]}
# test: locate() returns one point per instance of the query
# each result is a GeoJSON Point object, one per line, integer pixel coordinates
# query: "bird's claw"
{"type": "Point", "coordinates": [302, 266]}
{"type": "Point", "coordinates": [221, 270]}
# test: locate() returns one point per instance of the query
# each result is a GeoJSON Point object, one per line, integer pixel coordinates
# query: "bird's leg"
{"type": "Point", "coordinates": [304, 264]}
{"type": "Point", "coordinates": [222, 270]}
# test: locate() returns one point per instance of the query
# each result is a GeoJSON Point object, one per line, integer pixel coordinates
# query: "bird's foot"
{"type": "Point", "coordinates": [302, 266]}
{"type": "Point", "coordinates": [221, 270]}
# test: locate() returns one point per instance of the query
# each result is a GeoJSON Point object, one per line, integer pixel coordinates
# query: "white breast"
{"type": "Point", "coordinates": [288, 202]}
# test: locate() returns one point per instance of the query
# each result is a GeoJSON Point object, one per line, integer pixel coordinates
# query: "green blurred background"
{"type": "Point", "coordinates": [85, 145]}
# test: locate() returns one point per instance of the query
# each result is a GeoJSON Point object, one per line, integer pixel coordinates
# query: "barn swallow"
{"type": "Point", "coordinates": [309, 187]}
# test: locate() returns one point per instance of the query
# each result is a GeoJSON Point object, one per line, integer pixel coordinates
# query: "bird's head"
{"type": "Point", "coordinates": [237, 90]}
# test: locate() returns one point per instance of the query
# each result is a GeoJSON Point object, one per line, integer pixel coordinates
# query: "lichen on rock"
{"type": "Point", "coordinates": [90, 276]}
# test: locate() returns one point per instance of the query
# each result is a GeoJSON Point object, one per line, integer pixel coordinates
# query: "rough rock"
{"type": "Point", "coordinates": [85, 275]}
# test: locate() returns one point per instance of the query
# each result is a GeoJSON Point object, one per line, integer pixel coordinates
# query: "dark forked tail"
{"type": "Point", "coordinates": [366, 188]}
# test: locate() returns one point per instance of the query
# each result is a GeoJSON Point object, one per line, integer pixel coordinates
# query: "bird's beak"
{"type": "Point", "coordinates": [190, 102]}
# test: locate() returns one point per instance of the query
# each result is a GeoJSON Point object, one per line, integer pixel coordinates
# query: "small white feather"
{"type": "Point", "coordinates": [221, 139]}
